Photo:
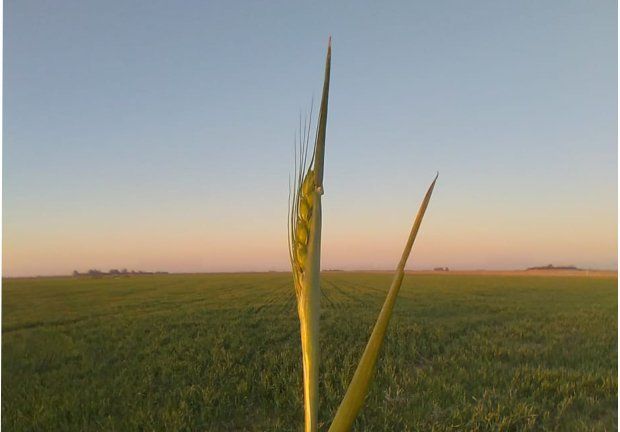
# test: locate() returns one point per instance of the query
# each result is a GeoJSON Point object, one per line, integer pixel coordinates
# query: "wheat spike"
{"type": "Point", "coordinates": [305, 251]}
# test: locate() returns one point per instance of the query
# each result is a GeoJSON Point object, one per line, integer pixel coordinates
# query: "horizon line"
{"type": "Point", "coordinates": [334, 270]}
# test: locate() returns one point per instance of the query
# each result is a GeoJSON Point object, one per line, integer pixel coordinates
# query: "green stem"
{"type": "Point", "coordinates": [358, 388]}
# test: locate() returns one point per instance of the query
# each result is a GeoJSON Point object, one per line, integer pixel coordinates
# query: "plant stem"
{"type": "Point", "coordinates": [358, 388]}
{"type": "Point", "coordinates": [309, 298]}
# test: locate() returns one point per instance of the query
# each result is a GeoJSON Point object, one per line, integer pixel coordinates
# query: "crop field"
{"type": "Point", "coordinates": [221, 352]}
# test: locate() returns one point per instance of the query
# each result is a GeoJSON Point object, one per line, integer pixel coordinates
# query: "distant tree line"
{"type": "Point", "coordinates": [552, 267]}
{"type": "Point", "coordinates": [114, 272]}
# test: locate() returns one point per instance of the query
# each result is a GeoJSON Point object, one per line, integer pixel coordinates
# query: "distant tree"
{"type": "Point", "coordinates": [124, 271]}
{"type": "Point", "coordinates": [76, 273]}
{"type": "Point", "coordinates": [114, 272]}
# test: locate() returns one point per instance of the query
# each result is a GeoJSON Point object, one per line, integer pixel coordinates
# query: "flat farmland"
{"type": "Point", "coordinates": [221, 352]}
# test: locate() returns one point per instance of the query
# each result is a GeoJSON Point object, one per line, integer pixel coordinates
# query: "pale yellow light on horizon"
{"type": "Point", "coordinates": [204, 248]}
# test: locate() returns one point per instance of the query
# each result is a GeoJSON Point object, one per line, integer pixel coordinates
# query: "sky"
{"type": "Point", "coordinates": [157, 135]}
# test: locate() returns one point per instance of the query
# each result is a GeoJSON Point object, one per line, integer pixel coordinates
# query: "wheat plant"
{"type": "Point", "coordinates": [358, 388]}
{"type": "Point", "coordinates": [305, 256]}
{"type": "Point", "coordinates": [305, 252]}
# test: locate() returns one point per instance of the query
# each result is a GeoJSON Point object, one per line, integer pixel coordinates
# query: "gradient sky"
{"type": "Point", "coordinates": [158, 135]}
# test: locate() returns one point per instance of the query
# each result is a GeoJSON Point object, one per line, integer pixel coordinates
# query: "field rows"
{"type": "Point", "coordinates": [221, 352]}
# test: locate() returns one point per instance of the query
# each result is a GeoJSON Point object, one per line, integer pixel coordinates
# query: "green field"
{"type": "Point", "coordinates": [221, 352]}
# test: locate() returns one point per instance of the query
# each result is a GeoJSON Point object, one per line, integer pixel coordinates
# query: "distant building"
{"type": "Point", "coordinates": [443, 269]}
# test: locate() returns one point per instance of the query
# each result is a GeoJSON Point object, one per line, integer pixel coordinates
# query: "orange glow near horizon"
{"type": "Point", "coordinates": [347, 246]}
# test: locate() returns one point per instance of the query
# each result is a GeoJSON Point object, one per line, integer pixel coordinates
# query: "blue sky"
{"type": "Point", "coordinates": [159, 135]}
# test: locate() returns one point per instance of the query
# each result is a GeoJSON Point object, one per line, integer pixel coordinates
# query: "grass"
{"type": "Point", "coordinates": [221, 352]}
